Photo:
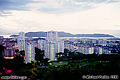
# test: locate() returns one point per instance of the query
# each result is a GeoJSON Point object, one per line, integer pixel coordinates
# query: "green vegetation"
{"type": "Point", "coordinates": [39, 54]}
{"type": "Point", "coordinates": [1, 50]}
{"type": "Point", "coordinates": [68, 70]}
{"type": "Point", "coordinates": [1, 58]}
{"type": "Point", "coordinates": [74, 68]}
{"type": "Point", "coordinates": [60, 63]}
{"type": "Point", "coordinates": [22, 53]}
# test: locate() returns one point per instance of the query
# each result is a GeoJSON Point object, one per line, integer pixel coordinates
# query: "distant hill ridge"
{"type": "Point", "coordinates": [63, 34]}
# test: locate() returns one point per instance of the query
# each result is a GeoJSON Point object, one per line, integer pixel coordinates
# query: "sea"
{"type": "Point", "coordinates": [8, 36]}
{"type": "Point", "coordinates": [86, 37]}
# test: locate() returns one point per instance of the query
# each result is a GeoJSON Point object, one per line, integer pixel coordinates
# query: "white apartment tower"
{"type": "Point", "coordinates": [51, 45]}
{"type": "Point", "coordinates": [21, 41]}
{"type": "Point", "coordinates": [98, 50]}
{"type": "Point", "coordinates": [86, 50]}
{"type": "Point", "coordinates": [61, 46]}
{"type": "Point", "coordinates": [50, 51]}
{"type": "Point", "coordinates": [91, 50]}
{"type": "Point", "coordinates": [52, 36]}
{"type": "Point", "coordinates": [29, 52]}
{"type": "Point", "coordinates": [41, 44]}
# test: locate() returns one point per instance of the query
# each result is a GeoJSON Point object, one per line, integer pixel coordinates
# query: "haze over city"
{"type": "Point", "coordinates": [73, 16]}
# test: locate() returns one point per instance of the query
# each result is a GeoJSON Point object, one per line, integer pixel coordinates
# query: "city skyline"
{"type": "Point", "coordinates": [73, 16]}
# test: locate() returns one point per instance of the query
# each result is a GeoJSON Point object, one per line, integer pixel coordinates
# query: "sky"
{"type": "Point", "coordinates": [72, 16]}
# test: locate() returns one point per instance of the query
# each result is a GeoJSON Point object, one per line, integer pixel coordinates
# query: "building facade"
{"type": "Point", "coordinates": [29, 52]}
{"type": "Point", "coordinates": [86, 50]}
{"type": "Point", "coordinates": [61, 46]}
{"type": "Point", "coordinates": [51, 47]}
{"type": "Point", "coordinates": [21, 41]}
{"type": "Point", "coordinates": [41, 44]}
{"type": "Point", "coordinates": [50, 51]}
{"type": "Point", "coordinates": [9, 53]}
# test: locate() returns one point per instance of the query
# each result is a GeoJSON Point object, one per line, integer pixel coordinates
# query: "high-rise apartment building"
{"type": "Point", "coordinates": [9, 53]}
{"type": "Point", "coordinates": [91, 50]}
{"type": "Point", "coordinates": [61, 46]}
{"type": "Point", "coordinates": [86, 50]}
{"type": "Point", "coordinates": [50, 51]}
{"type": "Point", "coordinates": [21, 41]}
{"type": "Point", "coordinates": [29, 52]}
{"type": "Point", "coordinates": [52, 36]}
{"type": "Point", "coordinates": [51, 45]}
{"type": "Point", "coordinates": [41, 44]}
{"type": "Point", "coordinates": [98, 50]}
{"type": "Point", "coordinates": [1, 37]}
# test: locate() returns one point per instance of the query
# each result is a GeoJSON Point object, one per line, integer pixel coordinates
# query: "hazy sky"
{"type": "Point", "coordinates": [74, 16]}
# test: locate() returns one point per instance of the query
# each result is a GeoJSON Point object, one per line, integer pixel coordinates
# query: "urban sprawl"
{"type": "Point", "coordinates": [53, 44]}
{"type": "Point", "coordinates": [59, 58]}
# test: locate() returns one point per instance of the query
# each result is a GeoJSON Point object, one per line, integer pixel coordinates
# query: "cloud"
{"type": "Point", "coordinates": [79, 16]}
{"type": "Point", "coordinates": [2, 31]}
{"type": "Point", "coordinates": [113, 1]}
{"type": "Point", "coordinates": [50, 6]}
{"type": "Point", "coordinates": [59, 6]}
{"type": "Point", "coordinates": [7, 5]}
{"type": "Point", "coordinates": [98, 1]}
{"type": "Point", "coordinates": [89, 1]}
{"type": "Point", "coordinates": [66, 6]}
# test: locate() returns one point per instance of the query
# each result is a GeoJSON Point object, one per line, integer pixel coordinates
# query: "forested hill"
{"type": "Point", "coordinates": [63, 34]}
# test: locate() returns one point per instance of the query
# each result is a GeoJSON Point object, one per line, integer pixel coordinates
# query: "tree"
{"type": "Point", "coordinates": [17, 51]}
{"type": "Point", "coordinates": [60, 58]}
{"type": "Point", "coordinates": [22, 53]}
{"type": "Point", "coordinates": [18, 60]}
{"type": "Point", "coordinates": [1, 50]}
{"type": "Point", "coordinates": [2, 62]}
{"type": "Point", "coordinates": [46, 61]}
{"type": "Point", "coordinates": [66, 51]}
{"type": "Point", "coordinates": [60, 54]}
{"type": "Point", "coordinates": [39, 54]}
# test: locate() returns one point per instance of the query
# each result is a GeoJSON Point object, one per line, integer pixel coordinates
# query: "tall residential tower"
{"type": "Point", "coordinates": [51, 45]}
{"type": "Point", "coordinates": [21, 41]}
{"type": "Point", "coordinates": [29, 52]}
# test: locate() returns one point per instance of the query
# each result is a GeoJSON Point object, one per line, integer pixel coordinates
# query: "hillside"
{"type": "Point", "coordinates": [63, 34]}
